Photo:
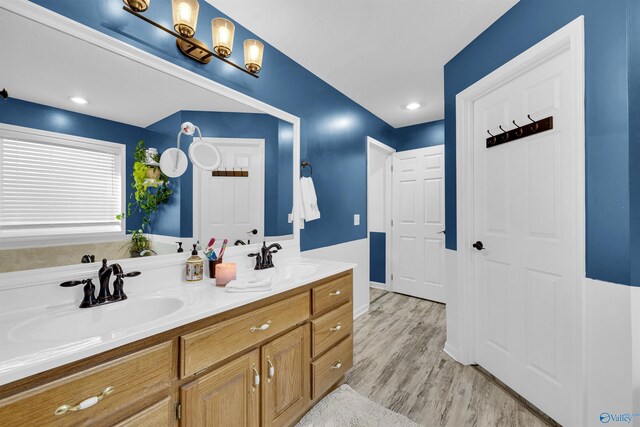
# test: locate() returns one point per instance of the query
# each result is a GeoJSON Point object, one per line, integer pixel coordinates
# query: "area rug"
{"type": "Point", "coordinates": [346, 408]}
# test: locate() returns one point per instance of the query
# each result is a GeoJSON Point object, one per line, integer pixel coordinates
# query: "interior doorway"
{"type": "Point", "coordinates": [379, 187]}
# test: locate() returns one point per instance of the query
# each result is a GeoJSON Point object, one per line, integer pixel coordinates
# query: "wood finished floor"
{"type": "Point", "coordinates": [399, 363]}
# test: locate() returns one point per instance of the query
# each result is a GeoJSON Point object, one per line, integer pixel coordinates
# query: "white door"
{"type": "Point", "coordinates": [418, 223]}
{"type": "Point", "coordinates": [232, 206]}
{"type": "Point", "coordinates": [525, 198]}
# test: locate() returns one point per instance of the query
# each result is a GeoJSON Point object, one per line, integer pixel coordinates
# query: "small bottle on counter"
{"type": "Point", "coordinates": [195, 267]}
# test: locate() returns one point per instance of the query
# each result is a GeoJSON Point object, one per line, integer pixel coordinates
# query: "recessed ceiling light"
{"type": "Point", "coordinates": [412, 106]}
{"type": "Point", "coordinates": [79, 100]}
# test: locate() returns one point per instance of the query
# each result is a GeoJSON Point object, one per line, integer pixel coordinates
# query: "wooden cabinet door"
{"type": "Point", "coordinates": [228, 396]}
{"type": "Point", "coordinates": [285, 385]}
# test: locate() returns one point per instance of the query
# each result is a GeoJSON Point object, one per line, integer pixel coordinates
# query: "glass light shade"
{"type": "Point", "coordinates": [222, 31]}
{"type": "Point", "coordinates": [185, 16]}
{"type": "Point", "coordinates": [253, 50]}
{"type": "Point", "coordinates": [138, 5]}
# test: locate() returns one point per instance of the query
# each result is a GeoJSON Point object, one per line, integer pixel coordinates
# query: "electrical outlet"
{"type": "Point", "coordinates": [290, 218]}
{"type": "Point", "coordinates": [356, 219]}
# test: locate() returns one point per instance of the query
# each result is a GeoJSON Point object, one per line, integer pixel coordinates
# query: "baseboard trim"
{"type": "Point", "coordinates": [360, 311]}
{"type": "Point", "coordinates": [450, 351]}
{"type": "Point", "coordinates": [378, 285]}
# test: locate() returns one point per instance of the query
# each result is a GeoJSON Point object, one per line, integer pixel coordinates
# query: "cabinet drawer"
{"type": "Point", "coordinates": [204, 348]}
{"type": "Point", "coordinates": [160, 414]}
{"type": "Point", "coordinates": [328, 369]}
{"type": "Point", "coordinates": [332, 294]}
{"type": "Point", "coordinates": [331, 328]}
{"type": "Point", "coordinates": [131, 377]}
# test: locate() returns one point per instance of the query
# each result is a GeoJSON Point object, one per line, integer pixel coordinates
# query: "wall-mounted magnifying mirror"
{"type": "Point", "coordinates": [92, 157]}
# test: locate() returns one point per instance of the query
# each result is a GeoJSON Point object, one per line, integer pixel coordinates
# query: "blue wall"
{"type": "Point", "coordinates": [607, 114]}
{"type": "Point", "coordinates": [176, 219]}
{"type": "Point", "coordinates": [633, 15]}
{"type": "Point", "coordinates": [419, 136]}
{"type": "Point", "coordinates": [334, 128]}
{"type": "Point", "coordinates": [377, 257]}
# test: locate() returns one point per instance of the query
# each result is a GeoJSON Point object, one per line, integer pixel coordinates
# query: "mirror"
{"type": "Point", "coordinates": [81, 136]}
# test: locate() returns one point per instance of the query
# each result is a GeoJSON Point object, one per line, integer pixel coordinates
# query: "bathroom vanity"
{"type": "Point", "coordinates": [264, 362]}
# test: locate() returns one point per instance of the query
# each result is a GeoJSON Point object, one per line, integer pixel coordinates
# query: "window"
{"type": "Point", "coordinates": [59, 187]}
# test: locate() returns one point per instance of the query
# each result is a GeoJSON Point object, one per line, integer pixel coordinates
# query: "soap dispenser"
{"type": "Point", "coordinates": [195, 267]}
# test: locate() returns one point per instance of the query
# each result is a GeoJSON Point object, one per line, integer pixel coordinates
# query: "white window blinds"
{"type": "Point", "coordinates": [59, 185]}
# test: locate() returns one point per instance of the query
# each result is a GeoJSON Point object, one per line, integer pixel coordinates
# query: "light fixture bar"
{"type": "Point", "coordinates": [191, 42]}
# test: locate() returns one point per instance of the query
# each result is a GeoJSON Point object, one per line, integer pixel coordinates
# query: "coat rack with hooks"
{"type": "Point", "coordinates": [519, 132]}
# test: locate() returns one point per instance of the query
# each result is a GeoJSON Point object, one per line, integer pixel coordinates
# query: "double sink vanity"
{"type": "Point", "coordinates": [180, 354]}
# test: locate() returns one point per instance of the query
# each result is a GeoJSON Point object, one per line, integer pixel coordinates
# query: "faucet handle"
{"type": "Point", "coordinates": [132, 274]}
{"type": "Point", "coordinates": [72, 283]}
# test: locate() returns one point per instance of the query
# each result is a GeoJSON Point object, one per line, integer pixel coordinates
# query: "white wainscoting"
{"type": "Point", "coordinates": [611, 380]}
{"type": "Point", "coordinates": [357, 252]}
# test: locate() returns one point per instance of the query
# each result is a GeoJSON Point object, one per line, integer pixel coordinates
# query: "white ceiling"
{"type": "Point", "coordinates": [383, 54]}
{"type": "Point", "coordinates": [117, 88]}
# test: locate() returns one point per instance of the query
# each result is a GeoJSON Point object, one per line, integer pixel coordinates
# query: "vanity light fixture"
{"type": "Point", "coordinates": [79, 100]}
{"type": "Point", "coordinates": [413, 106]}
{"type": "Point", "coordinates": [185, 18]}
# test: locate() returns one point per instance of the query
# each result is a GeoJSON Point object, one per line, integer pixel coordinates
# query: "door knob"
{"type": "Point", "coordinates": [478, 245]}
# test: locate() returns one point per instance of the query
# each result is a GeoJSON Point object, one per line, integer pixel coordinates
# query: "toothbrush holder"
{"type": "Point", "coordinates": [212, 267]}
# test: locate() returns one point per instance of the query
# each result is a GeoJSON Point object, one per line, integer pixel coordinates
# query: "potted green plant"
{"type": "Point", "coordinates": [139, 243]}
{"type": "Point", "coordinates": [150, 191]}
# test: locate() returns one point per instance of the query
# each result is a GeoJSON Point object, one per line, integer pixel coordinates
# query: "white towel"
{"type": "Point", "coordinates": [309, 201]}
{"type": "Point", "coordinates": [251, 285]}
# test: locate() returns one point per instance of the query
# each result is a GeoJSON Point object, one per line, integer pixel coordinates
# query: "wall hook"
{"type": "Point", "coordinates": [505, 135]}
{"type": "Point", "coordinates": [534, 128]}
{"type": "Point", "coordinates": [493, 137]}
{"type": "Point", "coordinates": [519, 131]}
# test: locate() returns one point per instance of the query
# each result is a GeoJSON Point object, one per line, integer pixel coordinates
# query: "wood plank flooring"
{"type": "Point", "coordinates": [399, 363]}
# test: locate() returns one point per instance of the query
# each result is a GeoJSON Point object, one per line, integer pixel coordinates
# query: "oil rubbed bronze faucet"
{"type": "Point", "coordinates": [264, 259]}
{"type": "Point", "coordinates": [104, 295]}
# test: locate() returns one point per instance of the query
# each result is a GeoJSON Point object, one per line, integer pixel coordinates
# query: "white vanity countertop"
{"type": "Point", "coordinates": [36, 340]}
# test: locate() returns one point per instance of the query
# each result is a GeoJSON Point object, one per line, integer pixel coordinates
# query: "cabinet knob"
{"type": "Point", "coordinates": [87, 403]}
{"type": "Point", "coordinates": [261, 328]}
{"type": "Point", "coordinates": [336, 328]}
{"type": "Point", "coordinates": [338, 365]}
{"type": "Point", "coordinates": [335, 294]}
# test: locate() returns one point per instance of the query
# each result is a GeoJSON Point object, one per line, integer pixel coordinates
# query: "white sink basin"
{"type": "Point", "coordinates": [287, 273]}
{"type": "Point", "coordinates": [95, 321]}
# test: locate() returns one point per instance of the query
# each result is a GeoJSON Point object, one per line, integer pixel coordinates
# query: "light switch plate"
{"type": "Point", "coordinates": [356, 219]}
{"type": "Point", "coordinates": [290, 218]}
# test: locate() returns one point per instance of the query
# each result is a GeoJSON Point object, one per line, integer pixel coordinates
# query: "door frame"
{"type": "Point", "coordinates": [197, 182]}
{"type": "Point", "coordinates": [388, 189]}
{"type": "Point", "coordinates": [569, 38]}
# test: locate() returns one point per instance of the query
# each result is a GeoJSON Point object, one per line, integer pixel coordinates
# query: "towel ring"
{"type": "Point", "coordinates": [305, 164]}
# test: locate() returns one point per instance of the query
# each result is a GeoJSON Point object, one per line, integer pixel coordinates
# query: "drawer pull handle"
{"type": "Point", "coordinates": [335, 294]}
{"type": "Point", "coordinates": [336, 328]}
{"type": "Point", "coordinates": [256, 377]}
{"type": "Point", "coordinates": [272, 370]}
{"type": "Point", "coordinates": [87, 403]}
{"type": "Point", "coordinates": [337, 365]}
{"type": "Point", "coordinates": [261, 328]}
